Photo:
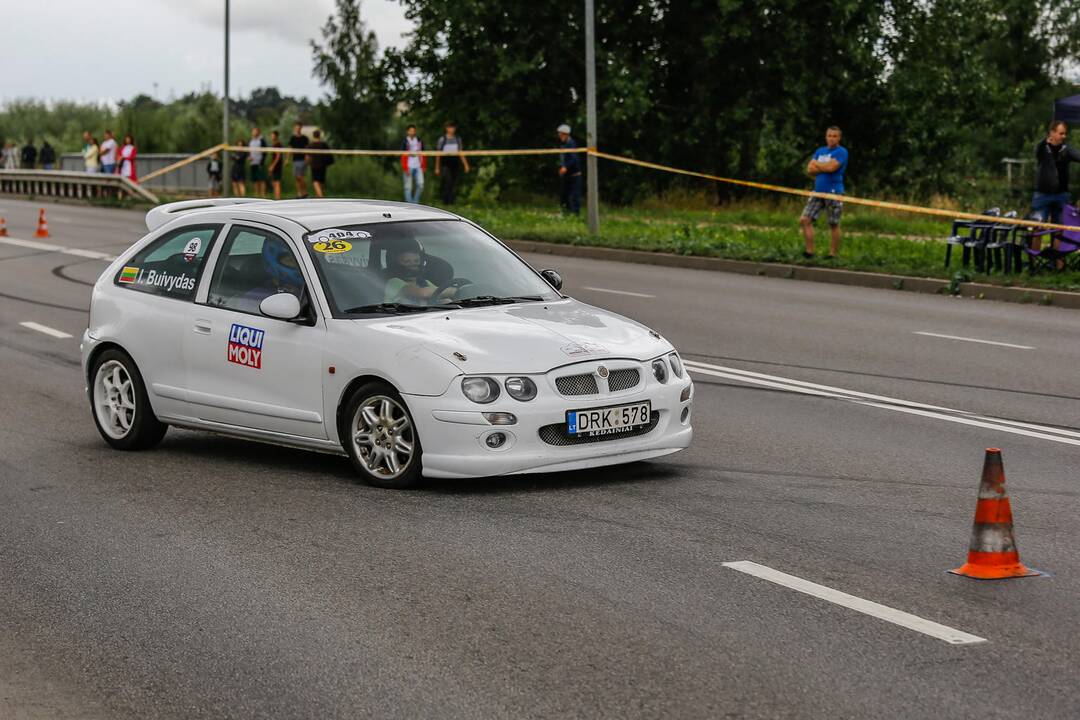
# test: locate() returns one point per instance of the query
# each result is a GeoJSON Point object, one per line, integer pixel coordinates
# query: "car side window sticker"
{"type": "Point", "coordinates": [169, 266]}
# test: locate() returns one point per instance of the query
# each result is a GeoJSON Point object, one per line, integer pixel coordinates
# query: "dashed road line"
{"type": "Point", "coordinates": [936, 412]}
{"type": "Point", "coordinates": [49, 247]}
{"type": "Point", "coordinates": [973, 340]}
{"type": "Point", "coordinates": [866, 607]}
{"type": "Point", "coordinates": [31, 325]}
{"type": "Point", "coordinates": [617, 292]}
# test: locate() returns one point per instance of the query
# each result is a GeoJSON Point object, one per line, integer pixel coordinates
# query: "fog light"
{"type": "Point", "coordinates": [660, 371]}
{"type": "Point", "coordinates": [495, 440]}
{"type": "Point", "coordinates": [685, 394]}
{"type": "Point", "coordinates": [500, 418]}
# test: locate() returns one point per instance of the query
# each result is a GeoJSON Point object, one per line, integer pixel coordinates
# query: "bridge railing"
{"type": "Point", "coordinates": [68, 184]}
{"type": "Point", "coordinates": [191, 178]}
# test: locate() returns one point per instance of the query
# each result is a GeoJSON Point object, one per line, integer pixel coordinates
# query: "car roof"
{"type": "Point", "coordinates": [312, 214]}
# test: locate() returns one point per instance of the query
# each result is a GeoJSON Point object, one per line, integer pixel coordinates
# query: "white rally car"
{"type": "Point", "coordinates": [402, 336]}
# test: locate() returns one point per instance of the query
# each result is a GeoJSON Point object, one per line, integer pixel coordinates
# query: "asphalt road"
{"type": "Point", "coordinates": [219, 578]}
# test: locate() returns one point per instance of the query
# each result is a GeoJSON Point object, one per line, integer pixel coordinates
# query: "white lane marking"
{"type": "Point", "coordinates": [974, 340]}
{"type": "Point", "coordinates": [617, 292]}
{"type": "Point", "coordinates": [49, 247]}
{"type": "Point", "coordinates": [44, 329]}
{"type": "Point", "coordinates": [867, 607]}
{"type": "Point", "coordinates": [963, 417]}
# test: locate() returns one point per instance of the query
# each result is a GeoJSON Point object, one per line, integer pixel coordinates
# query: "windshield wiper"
{"type": "Point", "coordinates": [392, 308]}
{"type": "Point", "coordinates": [480, 300]}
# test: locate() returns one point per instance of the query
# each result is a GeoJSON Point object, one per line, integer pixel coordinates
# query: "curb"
{"type": "Point", "coordinates": [981, 291]}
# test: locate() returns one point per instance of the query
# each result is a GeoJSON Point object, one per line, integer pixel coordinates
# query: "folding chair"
{"type": "Point", "coordinates": [1060, 251]}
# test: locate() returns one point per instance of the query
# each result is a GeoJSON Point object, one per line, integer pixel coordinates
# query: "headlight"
{"type": "Point", "coordinates": [482, 390]}
{"type": "Point", "coordinates": [520, 388]}
{"type": "Point", "coordinates": [659, 369]}
{"type": "Point", "coordinates": [676, 364]}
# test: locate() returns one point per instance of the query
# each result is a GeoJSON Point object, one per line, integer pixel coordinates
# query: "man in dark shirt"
{"type": "Point", "coordinates": [1052, 157]}
{"type": "Point", "coordinates": [298, 141]}
{"type": "Point", "coordinates": [569, 172]}
{"type": "Point", "coordinates": [29, 155]}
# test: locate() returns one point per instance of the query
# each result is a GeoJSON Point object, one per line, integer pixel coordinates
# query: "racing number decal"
{"type": "Point", "coordinates": [331, 247]}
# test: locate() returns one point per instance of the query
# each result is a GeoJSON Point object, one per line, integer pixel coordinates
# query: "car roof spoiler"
{"type": "Point", "coordinates": [165, 213]}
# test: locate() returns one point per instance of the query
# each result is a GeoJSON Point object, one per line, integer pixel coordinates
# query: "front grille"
{"type": "Point", "coordinates": [623, 379]}
{"type": "Point", "coordinates": [576, 385]}
{"type": "Point", "coordinates": [556, 434]}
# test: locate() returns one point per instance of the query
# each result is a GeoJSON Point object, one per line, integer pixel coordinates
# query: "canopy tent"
{"type": "Point", "coordinates": [1068, 109]}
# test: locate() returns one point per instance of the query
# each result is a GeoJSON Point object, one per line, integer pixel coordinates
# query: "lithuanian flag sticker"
{"type": "Point", "coordinates": [129, 274]}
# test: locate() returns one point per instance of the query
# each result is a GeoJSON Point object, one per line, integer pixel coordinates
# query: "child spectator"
{"type": "Point", "coordinates": [213, 170]}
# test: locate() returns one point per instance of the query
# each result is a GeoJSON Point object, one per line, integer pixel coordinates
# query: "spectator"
{"type": "Point", "coordinates": [298, 141]}
{"type": "Point", "coordinates": [29, 155]}
{"type": "Point", "coordinates": [238, 174]}
{"type": "Point", "coordinates": [91, 153]}
{"type": "Point", "coordinates": [450, 168]}
{"type": "Point", "coordinates": [213, 170]}
{"type": "Point", "coordinates": [569, 172]}
{"type": "Point", "coordinates": [48, 156]}
{"type": "Point", "coordinates": [255, 160]}
{"type": "Point", "coordinates": [827, 168]}
{"type": "Point", "coordinates": [127, 159]}
{"type": "Point", "coordinates": [319, 163]}
{"type": "Point", "coordinates": [1052, 157]}
{"type": "Point", "coordinates": [413, 165]}
{"type": "Point", "coordinates": [108, 153]}
{"type": "Point", "coordinates": [277, 161]}
{"type": "Point", "coordinates": [11, 156]}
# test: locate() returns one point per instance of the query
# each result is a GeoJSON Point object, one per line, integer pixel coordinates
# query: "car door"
{"type": "Point", "coordinates": [151, 316]}
{"type": "Point", "coordinates": [246, 369]}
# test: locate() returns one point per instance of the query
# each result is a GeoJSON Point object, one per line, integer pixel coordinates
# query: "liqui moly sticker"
{"type": "Point", "coordinates": [246, 345]}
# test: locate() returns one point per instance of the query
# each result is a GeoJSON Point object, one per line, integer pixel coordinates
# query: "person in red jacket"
{"type": "Point", "coordinates": [413, 165]}
{"type": "Point", "coordinates": [127, 159]}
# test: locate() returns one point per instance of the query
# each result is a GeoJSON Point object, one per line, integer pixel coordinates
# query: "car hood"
{"type": "Point", "coordinates": [525, 338]}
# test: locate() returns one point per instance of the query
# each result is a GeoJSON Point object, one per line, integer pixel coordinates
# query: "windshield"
{"type": "Point", "coordinates": [386, 268]}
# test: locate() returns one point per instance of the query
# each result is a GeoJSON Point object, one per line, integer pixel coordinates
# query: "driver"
{"type": "Point", "coordinates": [280, 274]}
{"type": "Point", "coordinates": [405, 284]}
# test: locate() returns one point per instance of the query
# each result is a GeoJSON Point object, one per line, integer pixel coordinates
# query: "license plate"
{"type": "Point", "coordinates": [608, 420]}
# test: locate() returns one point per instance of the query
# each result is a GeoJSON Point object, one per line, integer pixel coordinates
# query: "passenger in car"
{"type": "Point", "coordinates": [280, 274]}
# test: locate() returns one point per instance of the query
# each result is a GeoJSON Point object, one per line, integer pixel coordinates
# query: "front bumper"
{"type": "Point", "coordinates": [453, 430]}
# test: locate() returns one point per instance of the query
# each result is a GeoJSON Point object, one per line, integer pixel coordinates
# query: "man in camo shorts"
{"type": "Point", "coordinates": [827, 168]}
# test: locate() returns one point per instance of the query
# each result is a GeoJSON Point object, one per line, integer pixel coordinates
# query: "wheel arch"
{"type": "Point", "coordinates": [96, 353]}
{"type": "Point", "coordinates": [347, 392]}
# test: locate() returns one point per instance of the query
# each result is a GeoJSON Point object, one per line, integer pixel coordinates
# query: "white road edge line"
{"type": "Point", "coordinates": [617, 292]}
{"type": "Point", "coordinates": [1042, 432]}
{"type": "Point", "coordinates": [44, 329]}
{"type": "Point", "coordinates": [974, 340]}
{"type": "Point", "coordinates": [49, 247]}
{"type": "Point", "coordinates": [867, 607]}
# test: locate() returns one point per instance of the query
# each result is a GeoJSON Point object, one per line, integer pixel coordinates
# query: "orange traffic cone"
{"type": "Point", "coordinates": [992, 554]}
{"type": "Point", "coordinates": [42, 226]}
{"type": "Point", "coordinates": [3, 227]}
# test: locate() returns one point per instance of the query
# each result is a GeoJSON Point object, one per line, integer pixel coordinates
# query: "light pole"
{"type": "Point", "coordinates": [592, 199]}
{"type": "Point", "coordinates": [226, 175]}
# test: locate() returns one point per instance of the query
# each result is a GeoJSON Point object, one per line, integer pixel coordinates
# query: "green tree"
{"type": "Point", "coordinates": [356, 110]}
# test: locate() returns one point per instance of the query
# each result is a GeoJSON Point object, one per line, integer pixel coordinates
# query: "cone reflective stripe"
{"type": "Point", "coordinates": [3, 227]}
{"type": "Point", "coordinates": [42, 226]}
{"type": "Point", "coordinates": [992, 553]}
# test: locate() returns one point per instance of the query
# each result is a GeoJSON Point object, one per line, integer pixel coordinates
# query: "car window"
{"type": "Point", "coordinates": [253, 265]}
{"type": "Point", "coordinates": [170, 265]}
{"type": "Point", "coordinates": [421, 263]}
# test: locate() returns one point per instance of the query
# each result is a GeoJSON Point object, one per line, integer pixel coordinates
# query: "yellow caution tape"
{"type": "Point", "coordinates": [398, 153]}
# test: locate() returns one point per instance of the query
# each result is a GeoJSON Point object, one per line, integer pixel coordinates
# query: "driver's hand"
{"type": "Point", "coordinates": [448, 293]}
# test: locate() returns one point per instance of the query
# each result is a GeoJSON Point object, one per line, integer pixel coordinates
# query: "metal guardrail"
{"type": "Point", "coordinates": [67, 184]}
{"type": "Point", "coordinates": [191, 178]}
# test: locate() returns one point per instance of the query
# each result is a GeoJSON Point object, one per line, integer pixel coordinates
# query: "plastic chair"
{"type": "Point", "coordinates": [969, 234]}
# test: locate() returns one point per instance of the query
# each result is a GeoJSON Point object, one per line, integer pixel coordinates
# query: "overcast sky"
{"type": "Point", "coordinates": [114, 49]}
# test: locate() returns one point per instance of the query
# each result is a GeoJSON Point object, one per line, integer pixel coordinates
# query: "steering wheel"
{"type": "Point", "coordinates": [456, 283]}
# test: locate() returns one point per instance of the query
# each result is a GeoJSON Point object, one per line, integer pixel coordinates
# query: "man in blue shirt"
{"type": "Point", "coordinates": [569, 172]}
{"type": "Point", "coordinates": [827, 168]}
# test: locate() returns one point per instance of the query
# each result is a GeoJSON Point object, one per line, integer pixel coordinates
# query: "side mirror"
{"type": "Point", "coordinates": [553, 277]}
{"type": "Point", "coordinates": [283, 306]}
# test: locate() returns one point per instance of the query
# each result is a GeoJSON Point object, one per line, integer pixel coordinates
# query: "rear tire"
{"type": "Point", "coordinates": [120, 405]}
{"type": "Point", "coordinates": [381, 438]}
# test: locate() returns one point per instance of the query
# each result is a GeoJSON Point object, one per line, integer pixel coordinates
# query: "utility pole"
{"type": "Point", "coordinates": [226, 175]}
{"type": "Point", "coordinates": [593, 184]}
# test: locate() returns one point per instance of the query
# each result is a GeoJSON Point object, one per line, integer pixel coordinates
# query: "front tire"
{"type": "Point", "coordinates": [381, 438]}
{"type": "Point", "coordinates": [120, 405]}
